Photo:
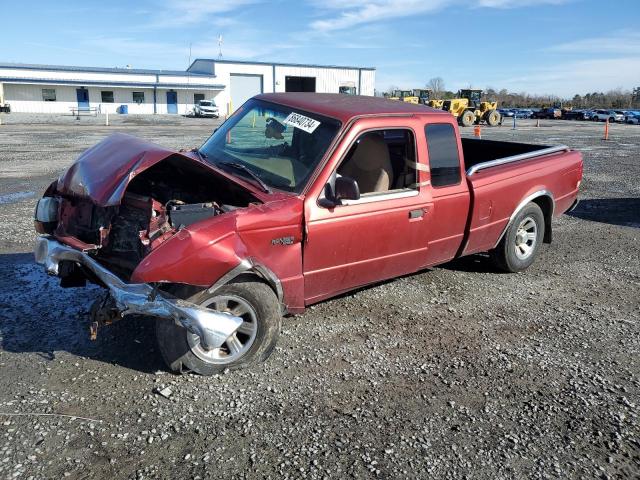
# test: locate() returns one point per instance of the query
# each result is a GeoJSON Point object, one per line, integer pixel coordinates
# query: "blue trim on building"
{"type": "Point", "coordinates": [132, 71]}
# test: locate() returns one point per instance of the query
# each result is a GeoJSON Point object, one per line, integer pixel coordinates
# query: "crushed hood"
{"type": "Point", "coordinates": [103, 172]}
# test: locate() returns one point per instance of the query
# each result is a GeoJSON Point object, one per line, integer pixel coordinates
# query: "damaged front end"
{"type": "Point", "coordinates": [212, 327]}
{"type": "Point", "coordinates": [120, 201]}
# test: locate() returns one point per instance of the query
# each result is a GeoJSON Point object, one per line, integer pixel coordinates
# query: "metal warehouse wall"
{"type": "Point", "coordinates": [328, 79]}
{"type": "Point", "coordinates": [223, 75]}
{"type": "Point", "coordinates": [368, 82]}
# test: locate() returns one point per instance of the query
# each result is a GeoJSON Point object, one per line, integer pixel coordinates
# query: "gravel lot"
{"type": "Point", "coordinates": [457, 372]}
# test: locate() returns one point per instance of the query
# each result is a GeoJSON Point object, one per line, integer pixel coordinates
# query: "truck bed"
{"type": "Point", "coordinates": [504, 176]}
{"type": "Point", "coordinates": [480, 154]}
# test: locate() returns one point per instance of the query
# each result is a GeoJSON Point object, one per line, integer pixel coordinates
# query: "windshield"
{"type": "Point", "coordinates": [205, 103]}
{"type": "Point", "coordinates": [280, 145]}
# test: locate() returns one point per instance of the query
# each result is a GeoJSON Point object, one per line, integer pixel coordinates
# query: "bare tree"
{"type": "Point", "coordinates": [436, 84]}
{"type": "Point", "coordinates": [391, 88]}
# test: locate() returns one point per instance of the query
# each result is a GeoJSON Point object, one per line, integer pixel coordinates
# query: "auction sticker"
{"type": "Point", "coordinates": [303, 123]}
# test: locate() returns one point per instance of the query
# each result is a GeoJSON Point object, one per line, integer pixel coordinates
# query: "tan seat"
{"type": "Point", "coordinates": [370, 165]}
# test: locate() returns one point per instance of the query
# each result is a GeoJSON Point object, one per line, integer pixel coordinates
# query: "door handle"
{"type": "Point", "coordinates": [416, 213]}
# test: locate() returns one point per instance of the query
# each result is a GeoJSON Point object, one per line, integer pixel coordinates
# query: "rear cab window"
{"type": "Point", "coordinates": [444, 158]}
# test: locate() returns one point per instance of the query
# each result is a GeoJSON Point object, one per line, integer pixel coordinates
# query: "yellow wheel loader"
{"type": "Point", "coordinates": [420, 96]}
{"type": "Point", "coordinates": [469, 109]}
{"type": "Point", "coordinates": [402, 95]}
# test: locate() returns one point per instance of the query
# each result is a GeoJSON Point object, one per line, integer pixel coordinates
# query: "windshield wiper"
{"type": "Point", "coordinates": [248, 171]}
{"type": "Point", "coordinates": [201, 155]}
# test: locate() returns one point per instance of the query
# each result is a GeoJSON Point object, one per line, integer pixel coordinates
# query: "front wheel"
{"type": "Point", "coordinates": [521, 242]}
{"type": "Point", "coordinates": [467, 118]}
{"type": "Point", "coordinates": [493, 118]}
{"type": "Point", "coordinates": [253, 342]}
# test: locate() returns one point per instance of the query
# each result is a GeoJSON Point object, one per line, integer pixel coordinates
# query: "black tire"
{"type": "Point", "coordinates": [508, 256]}
{"type": "Point", "coordinates": [176, 344]}
{"type": "Point", "coordinates": [467, 118]}
{"type": "Point", "coordinates": [492, 118]}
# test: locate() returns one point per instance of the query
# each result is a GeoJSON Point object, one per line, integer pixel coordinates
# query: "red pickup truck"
{"type": "Point", "coordinates": [296, 198]}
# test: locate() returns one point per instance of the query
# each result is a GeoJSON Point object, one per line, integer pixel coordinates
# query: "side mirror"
{"type": "Point", "coordinates": [342, 188]}
{"type": "Point", "coordinates": [346, 188]}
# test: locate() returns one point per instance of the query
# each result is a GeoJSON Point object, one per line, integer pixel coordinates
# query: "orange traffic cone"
{"type": "Point", "coordinates": [477, 131]}
{"type": "Point", "coordinates": [606, 130]}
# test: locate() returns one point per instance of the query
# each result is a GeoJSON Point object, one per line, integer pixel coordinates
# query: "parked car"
{"type": "Point", "coordinates": [523, 113]}
{"type": "Point", "coordinates": [632, 117]}
{"type": "Point", "coordinates": [548, 113]}
{"type": "Point", "coordinates": [206, 108]}
{"type": "Point", "coordinates": [506, 112]}
{"type": "Point", "coordinates": [574, 115]}
{"type": "Point", "coordinates": [604, 115]}
{"type": "Point", "coordinates": [296, 198]}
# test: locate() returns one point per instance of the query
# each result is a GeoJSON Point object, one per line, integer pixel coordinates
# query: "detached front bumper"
{"type": "Point", "coordinates": [212, 327]}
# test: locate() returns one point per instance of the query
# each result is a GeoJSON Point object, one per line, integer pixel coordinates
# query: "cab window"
{"type": "Point", "coordinates": [444, 159]}
{"type": "Point", "coordinates": [382, 161]}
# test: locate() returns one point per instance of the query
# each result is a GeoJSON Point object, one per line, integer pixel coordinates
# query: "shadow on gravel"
{"type": "Point", "coordinates": [615, 211]}
{"type": "Point", "coordinates": [477, 263]}
{"type": "Point", "coordinates": [39, 317]}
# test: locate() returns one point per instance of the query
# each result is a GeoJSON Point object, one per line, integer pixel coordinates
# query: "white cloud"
{"type": "Point", "coordinates": [623, 42]}
{"type": "Point", "coordinates": [179, 13]}
{"type": "Point", "coordinates": [349, 13]}
{"type": "Point", "coordinates": [581, 76]}
{"type": "Point", "coordinates": [357, 13]}
{"type": "Point", "coordinates": [516, 3]}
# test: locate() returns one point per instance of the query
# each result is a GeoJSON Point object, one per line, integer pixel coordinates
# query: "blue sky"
{"type": "Point", "coordinates": [540, 46]}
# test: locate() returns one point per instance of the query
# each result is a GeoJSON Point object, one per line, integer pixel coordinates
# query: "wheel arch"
{"type": "Point", "coordinates": [544, 199]}
{"type": "Point", "coordinates": [547, 205]}
{"type": "Point", "coordinates": [248, 268]}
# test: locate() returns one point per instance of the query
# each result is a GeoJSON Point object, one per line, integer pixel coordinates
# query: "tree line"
{"type": "Point", "coordinates": [614, 99]}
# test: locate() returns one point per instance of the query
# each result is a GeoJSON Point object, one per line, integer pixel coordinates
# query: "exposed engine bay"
{"type": "Point", "coordinates": [157, 203]}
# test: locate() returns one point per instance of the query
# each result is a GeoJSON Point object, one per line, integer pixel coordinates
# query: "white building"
{"type": "Point", "coordinates": [61, 89]}
{"type": "Point", "coordinates": [246, 79]}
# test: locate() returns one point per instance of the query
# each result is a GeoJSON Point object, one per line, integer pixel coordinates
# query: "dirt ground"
{"type": "Point", "coordinates": [456, 372]}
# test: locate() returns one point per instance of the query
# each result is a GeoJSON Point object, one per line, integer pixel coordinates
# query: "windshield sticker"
{"type": "Point", "coordinates": [303, 123]}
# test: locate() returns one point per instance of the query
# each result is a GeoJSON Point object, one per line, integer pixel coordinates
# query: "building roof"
{"type": "Point", "coordinates": [133, 71]}
{"type": "Point", "coordinates": [345, 107]}
{"type": "Point", "coordinates": [276, 64]}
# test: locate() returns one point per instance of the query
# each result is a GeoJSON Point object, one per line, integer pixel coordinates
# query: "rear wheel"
{"type": "Point", "coordinates": [467, 118]}
{"type": "Point", "coordinates": [253, 342]}
{"type": "Point", "coordinates": [493, 118]}
{"type": "Point", "coordinates": [521, 242]}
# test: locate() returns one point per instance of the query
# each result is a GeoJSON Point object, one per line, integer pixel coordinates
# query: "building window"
{"type": "Point", "coordinates": [347, 90]}
{"type": "Point", "coordinates": [138, 97]}
{"type": "Point", "coordinates": [444, 159]}
{"type": "Point", "coordinates": [49, 94]}
{"type": "Point", "coordinates": [197, 97]}
{"type": "Point", "coordinates": [107, 97]}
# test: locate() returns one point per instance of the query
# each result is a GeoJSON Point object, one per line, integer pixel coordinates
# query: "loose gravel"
{"type": "Point", "coordinates": [456, 372]}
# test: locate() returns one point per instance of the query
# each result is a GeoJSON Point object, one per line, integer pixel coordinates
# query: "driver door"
{"type": "Point", "coordinates": [382, 235]}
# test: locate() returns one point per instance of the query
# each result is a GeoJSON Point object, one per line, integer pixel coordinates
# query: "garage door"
{"type": "Point", "coordinates": [300, 84]}
{"type": "Point", "coordinates": [243, 87]}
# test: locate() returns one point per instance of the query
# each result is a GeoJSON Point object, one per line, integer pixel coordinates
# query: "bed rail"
{"type": "Point", "coordinates": [516, 158]}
